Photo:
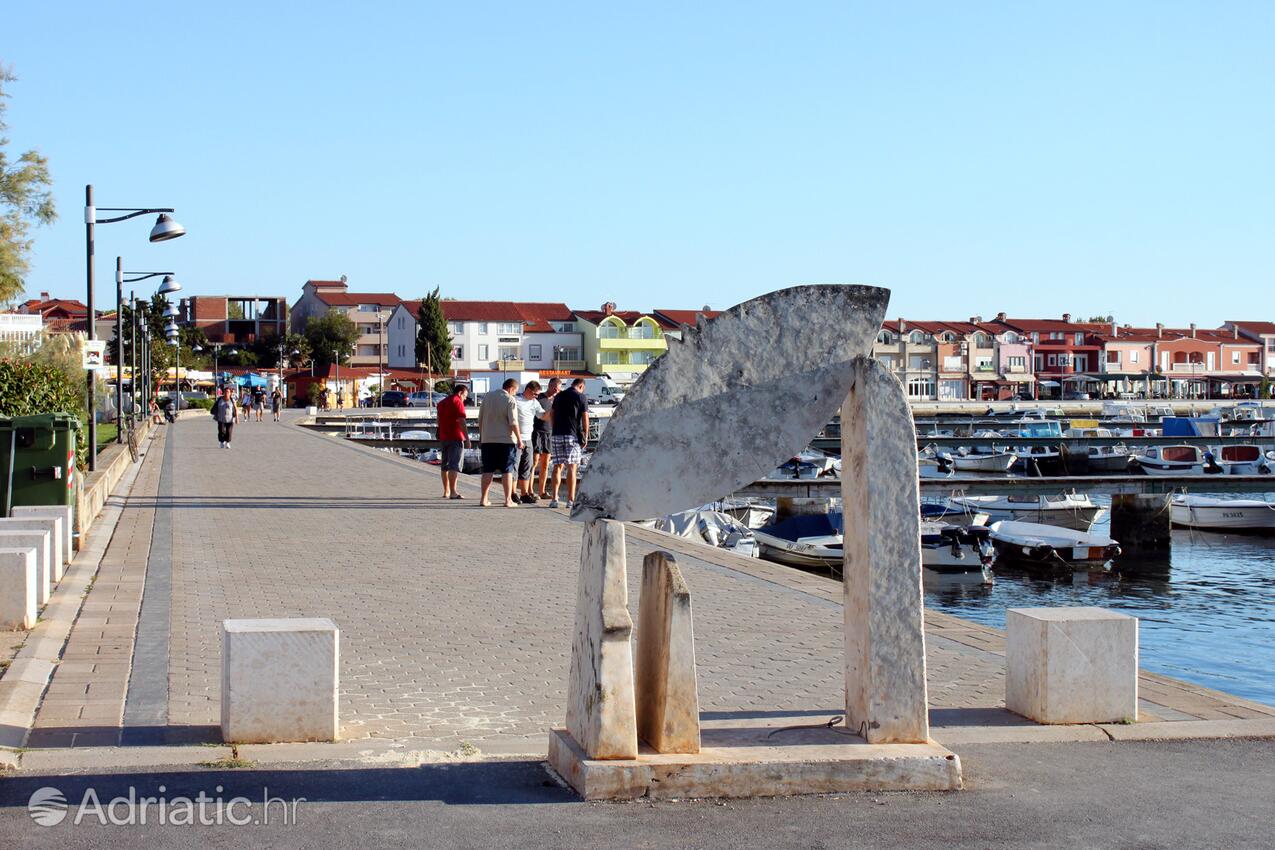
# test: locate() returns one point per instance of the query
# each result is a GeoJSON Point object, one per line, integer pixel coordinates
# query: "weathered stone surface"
{"type": "Point", "coordinates": [667, 695]}
{"type": "Point", "coordinates": [885, 636]}
{"type": "Point", "coordinates": [279, 680]}
{"type": "Point", "coordinates": [18, 588]}
{"type": "Point", "coordinates": [51, 524]}
{"type": "Point", "coordinates": [1071, 665]}
{"type": "Point", "coordinates": [757, 768]}
{"type": "Point", "coordinates": [600, 708]}
{"type": "Point", "coordinates": [730, 401]}
{"type": "Point", "coordinates": [42, 542]}
{"type": "Point", "coordinates": [66, 532]}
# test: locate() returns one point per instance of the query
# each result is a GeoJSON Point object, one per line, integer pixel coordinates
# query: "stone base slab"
{"type": "Point", "coordinates": [748, 763]}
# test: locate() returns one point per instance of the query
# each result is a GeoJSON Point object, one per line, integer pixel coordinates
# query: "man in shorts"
{"type": "Point", "coordinates": [276, 403]}
{"type": "Point", "coordinates": [259, 402]}
{"type": "Point", "coordinates": [454, 434]}
{"type": "Point", "coordinates": [569, 436]}
{"type": "Point", "coordinates": [540, 439]}
{"type": "Point", "coordinates": [529, 413]}
{"type": "Point", "coordinates": [499, 440]}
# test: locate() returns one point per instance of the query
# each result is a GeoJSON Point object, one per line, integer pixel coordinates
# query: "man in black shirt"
{"type": "Point", "coordinates": [569, 436]}
{"type": "Point", "coordinates": [540, 440]}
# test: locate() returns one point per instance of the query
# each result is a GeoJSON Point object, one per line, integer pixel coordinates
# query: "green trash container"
{"type": "Point", "coordinates": [39, 452]}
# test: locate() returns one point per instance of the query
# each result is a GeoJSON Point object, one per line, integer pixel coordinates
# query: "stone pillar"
{"type": "Point", "coordinates": [1140, 524]}
{"type": "Point", "coordinates": [885, 634]}
{"type": "Point", "coordinates": [667, 696]}
{"type": "Point", "coordinates": [62, 512]}
{"type": "Point", "coordinates": [600, 709]}
{"type": "Point", "coordinates": [42, 542]}
{"type": "Point", "coordinates": [18, 589]}
{"type": "Point", "coordinates": [791, 506]}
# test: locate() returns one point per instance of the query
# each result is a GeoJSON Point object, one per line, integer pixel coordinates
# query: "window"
{"type": "Point", "coordinates": [1080, 338]}
{"type": "Point", "coordinates": [885, 338]}
{"type": "Point", "coordinates": [1035, 337]}
{"type": "Point", "coordinates": [952, 364]}
{"type": "Point", "coordinates": [917, 338]}
{"type": "Point", "coordinates": [533, 353]}
{"type": "Point", "coordinates": [401, 352]}
{"type": "Point", "coordinates": [400, 323]}
{"type": "Point", "coordinates": [1255, 358]}
{"type": "Point", "coordinates": [369, 308]}
{"type": "Point", "coordinates": [642, 357]}
{"type": "Point", "coordinates": [983, 363]}
{"type": "Point", "coordinates": [1017, 363]}
{"type": "Point", "coordinates": [1235, 357]}
{"type": "Point", "coordinates": [1011, 337]}
{"type": "Point", "coordinates": [1113, 358]}
{"type": "Point", "coordinates": [456, 327]}
{"type": "Point", "coordinates": [918, 362]}
{"type": "Point", "coordinates": [1053, 360]}
{"type": "Point", "coordinates": [982, 340]}
{"type": "Point", "coordinates": [887, 361]}
{"type": "Point", "coordinates": [609, 358]}
{"type": "Point", "coordinates": [507, 353]}
{"type": "Point", "coordinates": [921, 388]}
{"type": "Point", "coordinates": [482, 352]}
{"type": "Point", "coordinates": [566, 327]}
{"type": "Point", "coordinates": [946, 337]}
{"type": "Point", "coordinates": [567, 353]}
{"type": "Point", "coordinates": [509, 328]}
{"type": "Point", "coordinates": [458, 352]}
{"type": "Point", "coordinates": [1133, 357]}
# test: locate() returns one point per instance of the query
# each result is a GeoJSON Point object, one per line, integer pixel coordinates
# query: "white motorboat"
{"type": "Point", "coordinates": [991, 460]}
{"type": "Point", "coordinates": [931, 464]}
{"type": "Point", "coordinates": [957, 549]}
{"type": "Point", "coordinates": [1243, 460]}
{"type": "Point", "coordinates": [418, 434]}
{"type": "Point", "coordinates": [749, 512]}
{"type": "Point", "coordinates": [808, 464]}
{"type": "Point", "coordinates": [1103, 458]}
{"type": "Point", "coordinates": [1172, 460]}
{"type": "Point", "coordinates": [712, 527]}
{"type": "Point", "coordinates": [1067, 510]}
{"type": "Point", "coordinates": [808, 540]}
{"type": "Point", "coordinates": [1050, 546]}
{"type": "Point", "coordinates": [371, 430]}
{"type": "Point", "coordinates": [1215, 514]}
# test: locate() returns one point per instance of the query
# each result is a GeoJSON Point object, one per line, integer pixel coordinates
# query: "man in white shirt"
{"type": "Point", "coordinates": [499, 440]}
{"type": "Point", "coordinates": [529, 410]}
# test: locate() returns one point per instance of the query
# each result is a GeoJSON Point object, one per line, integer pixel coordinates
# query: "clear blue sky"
{"type": "Point", "coordinates": [973, 157]}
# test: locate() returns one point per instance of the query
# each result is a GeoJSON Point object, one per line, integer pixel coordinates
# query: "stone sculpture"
{"type": "Point", "coordinates": [729, 402]}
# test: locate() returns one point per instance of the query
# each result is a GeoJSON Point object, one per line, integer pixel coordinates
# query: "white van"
{"type": "Point", "coordinates": [602, 390]}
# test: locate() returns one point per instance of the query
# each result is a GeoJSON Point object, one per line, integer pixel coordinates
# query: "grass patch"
{"type": "Point", "coordinates": [106, 432]}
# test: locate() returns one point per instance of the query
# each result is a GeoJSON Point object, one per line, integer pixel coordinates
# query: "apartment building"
{"type": "Point", "coordinates": [236, 319]}
{"type": "Point", "coordinates": [622, 343]}
{"type": "Point", "coordinates": [370, 312]}
{"type": "Point", "coordinates": [1262, 333]}
{"type": "Point", "coordinates": [495, 335]}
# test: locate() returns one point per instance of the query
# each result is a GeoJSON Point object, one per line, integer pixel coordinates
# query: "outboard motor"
{"type": "Point", "coordinates": [1210, 464]}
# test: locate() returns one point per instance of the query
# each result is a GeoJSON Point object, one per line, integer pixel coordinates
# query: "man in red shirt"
{"type": "Point", "coordinates": [454, 434]}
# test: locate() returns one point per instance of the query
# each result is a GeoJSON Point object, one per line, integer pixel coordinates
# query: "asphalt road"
{"type": "Point", "coordinates": [1195, 794]}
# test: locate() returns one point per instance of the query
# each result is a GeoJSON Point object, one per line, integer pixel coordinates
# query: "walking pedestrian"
{"type": "Point", "coordinates": [540, 439]}
{"type": "Point", "coordinates": [499, 440]}
{"type": "Point", "coordinates": [276, 403]}
{"type": "Point", "coordinates": [323, 398]}
{"type": "Point", "coordinates": [454, 434]}
{"type": "Point", "coordinates": [568, 438]}
{"type": "Point", "coordinates": [246, 400]}
{"type": "Point", "coordinates": [226, 414]}
{"type": "Point", "coordinates": [259, 402]}
{"type": "Point", "coordinates": [529, 412]}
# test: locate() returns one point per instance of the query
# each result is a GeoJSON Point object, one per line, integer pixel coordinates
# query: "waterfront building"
{"type": "Point", "coordinates": [495, 335]}
{"type": "Point", "coordinates": [236, 319]}
{"type": "Point", "coordinates": [1063, 351]}
{"type": "Point", "coordinates": [59, 315]}
{"type": "Point", "coordinates": [622, 343]}
{"type": "Point", "coordinates": [1202, 363]}
{"type": "Point", "coordinates": [370, 311]}
{"type": "Point", "coordinates": [1262, 333]}
{"type": "Point", "coordinates": [1128, 363]}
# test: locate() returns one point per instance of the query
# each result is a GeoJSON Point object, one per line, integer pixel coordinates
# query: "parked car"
{"type": "Point", "coordinates": [392, 398]}
{"type": "Point", "coordinates": [423, 398]}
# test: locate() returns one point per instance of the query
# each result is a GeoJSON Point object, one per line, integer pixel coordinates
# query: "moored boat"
{"type": "Point", "coordinates": [957, 549]}
{"type": "Point", "coordinates": [1051, 546]}
{"type": "Point", "coordinates": [1243, 460]}
{"type": "Point", "coordinates": [1066, 510]}
{"type": "Point", "coordinates": [1175, 460]}
{"type": "Point", "coordinates": [1215, 514]}
{"type": "Point", "coordinates": [992, 460]}
{"type": "Point", "coordinates": [807, 540]}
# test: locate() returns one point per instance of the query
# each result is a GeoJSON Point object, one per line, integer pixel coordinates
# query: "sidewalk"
{"type": "Point", "coordinates": [456, 620]}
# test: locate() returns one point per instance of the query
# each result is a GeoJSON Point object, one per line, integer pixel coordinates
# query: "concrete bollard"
{"type": "Point", "coordinates": [62, 512]}
{"type": "Point", "coordinates": [1071, 665]}
{"type": "Point", "coordinates": [19, 587]}
{"type": "Point", "coordinates": [52, 525]}
{"type": "Point", "coordinates": [666, 688]}
{"type": "Point", "coordinates": [41, 542]}
{"type": "Point", "coordinates": [279, 680]}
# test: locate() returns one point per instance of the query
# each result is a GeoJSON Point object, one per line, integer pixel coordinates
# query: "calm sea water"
{"type": "Point", "coordinates": [1207, 613]}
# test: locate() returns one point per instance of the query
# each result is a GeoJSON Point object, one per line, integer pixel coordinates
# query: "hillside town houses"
{"type": "Point", "coordinates": [997, 359]}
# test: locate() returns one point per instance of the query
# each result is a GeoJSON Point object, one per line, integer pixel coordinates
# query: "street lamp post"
{"type": "Point", "coordinates": [120, 280]}
{"type": "Point", "coordinates": [165, 228]}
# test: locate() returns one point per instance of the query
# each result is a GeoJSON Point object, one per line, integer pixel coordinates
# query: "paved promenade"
{"type": "Point", "coordinates": [455, 620]}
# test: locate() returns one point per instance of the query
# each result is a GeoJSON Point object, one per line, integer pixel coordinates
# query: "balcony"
{"type": "Point", "coordinates": [1015, 368]}
{"type": "Point", "coordinates": [568, 365]}
{"type": "Point", "coordinates": [510, 365]}
{"type": "Point", "coordinates": [632, 343]}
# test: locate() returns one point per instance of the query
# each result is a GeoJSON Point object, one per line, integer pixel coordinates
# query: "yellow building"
{"type": "Point", "coordinates": [622, 343]}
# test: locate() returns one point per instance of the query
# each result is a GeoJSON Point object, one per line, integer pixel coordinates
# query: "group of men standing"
{"type": "Point", "coordinates": [522, 435]}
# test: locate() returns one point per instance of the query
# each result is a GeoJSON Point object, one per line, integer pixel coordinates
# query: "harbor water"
{"type": "Point", "coordinates": [1206, 612]}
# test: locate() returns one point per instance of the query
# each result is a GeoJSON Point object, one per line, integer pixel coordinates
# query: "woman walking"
{"type": "Point", "coordinates": [226, 415]}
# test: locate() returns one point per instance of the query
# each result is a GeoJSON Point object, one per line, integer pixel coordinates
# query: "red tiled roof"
{"type": "Point", "coordinates": [686, 317]}
{"type": "Point", "coordinates": [548, 311]}
{"type": "Point", "coordinates": [354, 299]}
{"type": "Point", "coordinates": [1255, 327]}
{"type": "Point", "coordinates": [626, 316]}
{"type": "Point", "coordinates": [320, 284]}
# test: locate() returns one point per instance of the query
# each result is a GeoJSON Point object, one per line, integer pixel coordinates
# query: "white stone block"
{"type": "Point", "coordinates": [19, 587]}
{"type": "Point", "coordinates": [279, 680]}
{"type": "Point", "coordinates": [667, 690]}
{"type": "Point", "coordinates": [1071, 665]}
{"type": "Point", "coordinates": [42, 542]}
{"type": "Point", "coordinates": [62, 512]}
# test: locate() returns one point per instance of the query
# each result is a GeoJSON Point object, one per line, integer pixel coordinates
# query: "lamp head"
{"type": "Point", "coordinates": [172, 311]}
{"type": "Point", "coordinates": [165, 228]}
{"type": "Point", "coordinates": [197, 348]}
{"type": "Point", "coordinates": [168, 284]}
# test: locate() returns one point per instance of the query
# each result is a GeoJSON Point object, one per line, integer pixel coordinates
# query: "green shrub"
{"type": "Point", "coordinates": [201, 403]}
{"type": "Point", "coordinates": [28, 387]}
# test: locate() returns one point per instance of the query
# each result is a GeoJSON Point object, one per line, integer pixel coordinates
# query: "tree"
{"type": "Point", "coordinates": [266, 349]}
{"type": "Point", "coordinates": [25, 199]}
{"type": "Point", "coordinates": [331, 337]}
{"type": "Point", "coordinates": [433, 342]}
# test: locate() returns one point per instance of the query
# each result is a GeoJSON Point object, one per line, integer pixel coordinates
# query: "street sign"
{"type": "Point", "coordinates": [95, 354]}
